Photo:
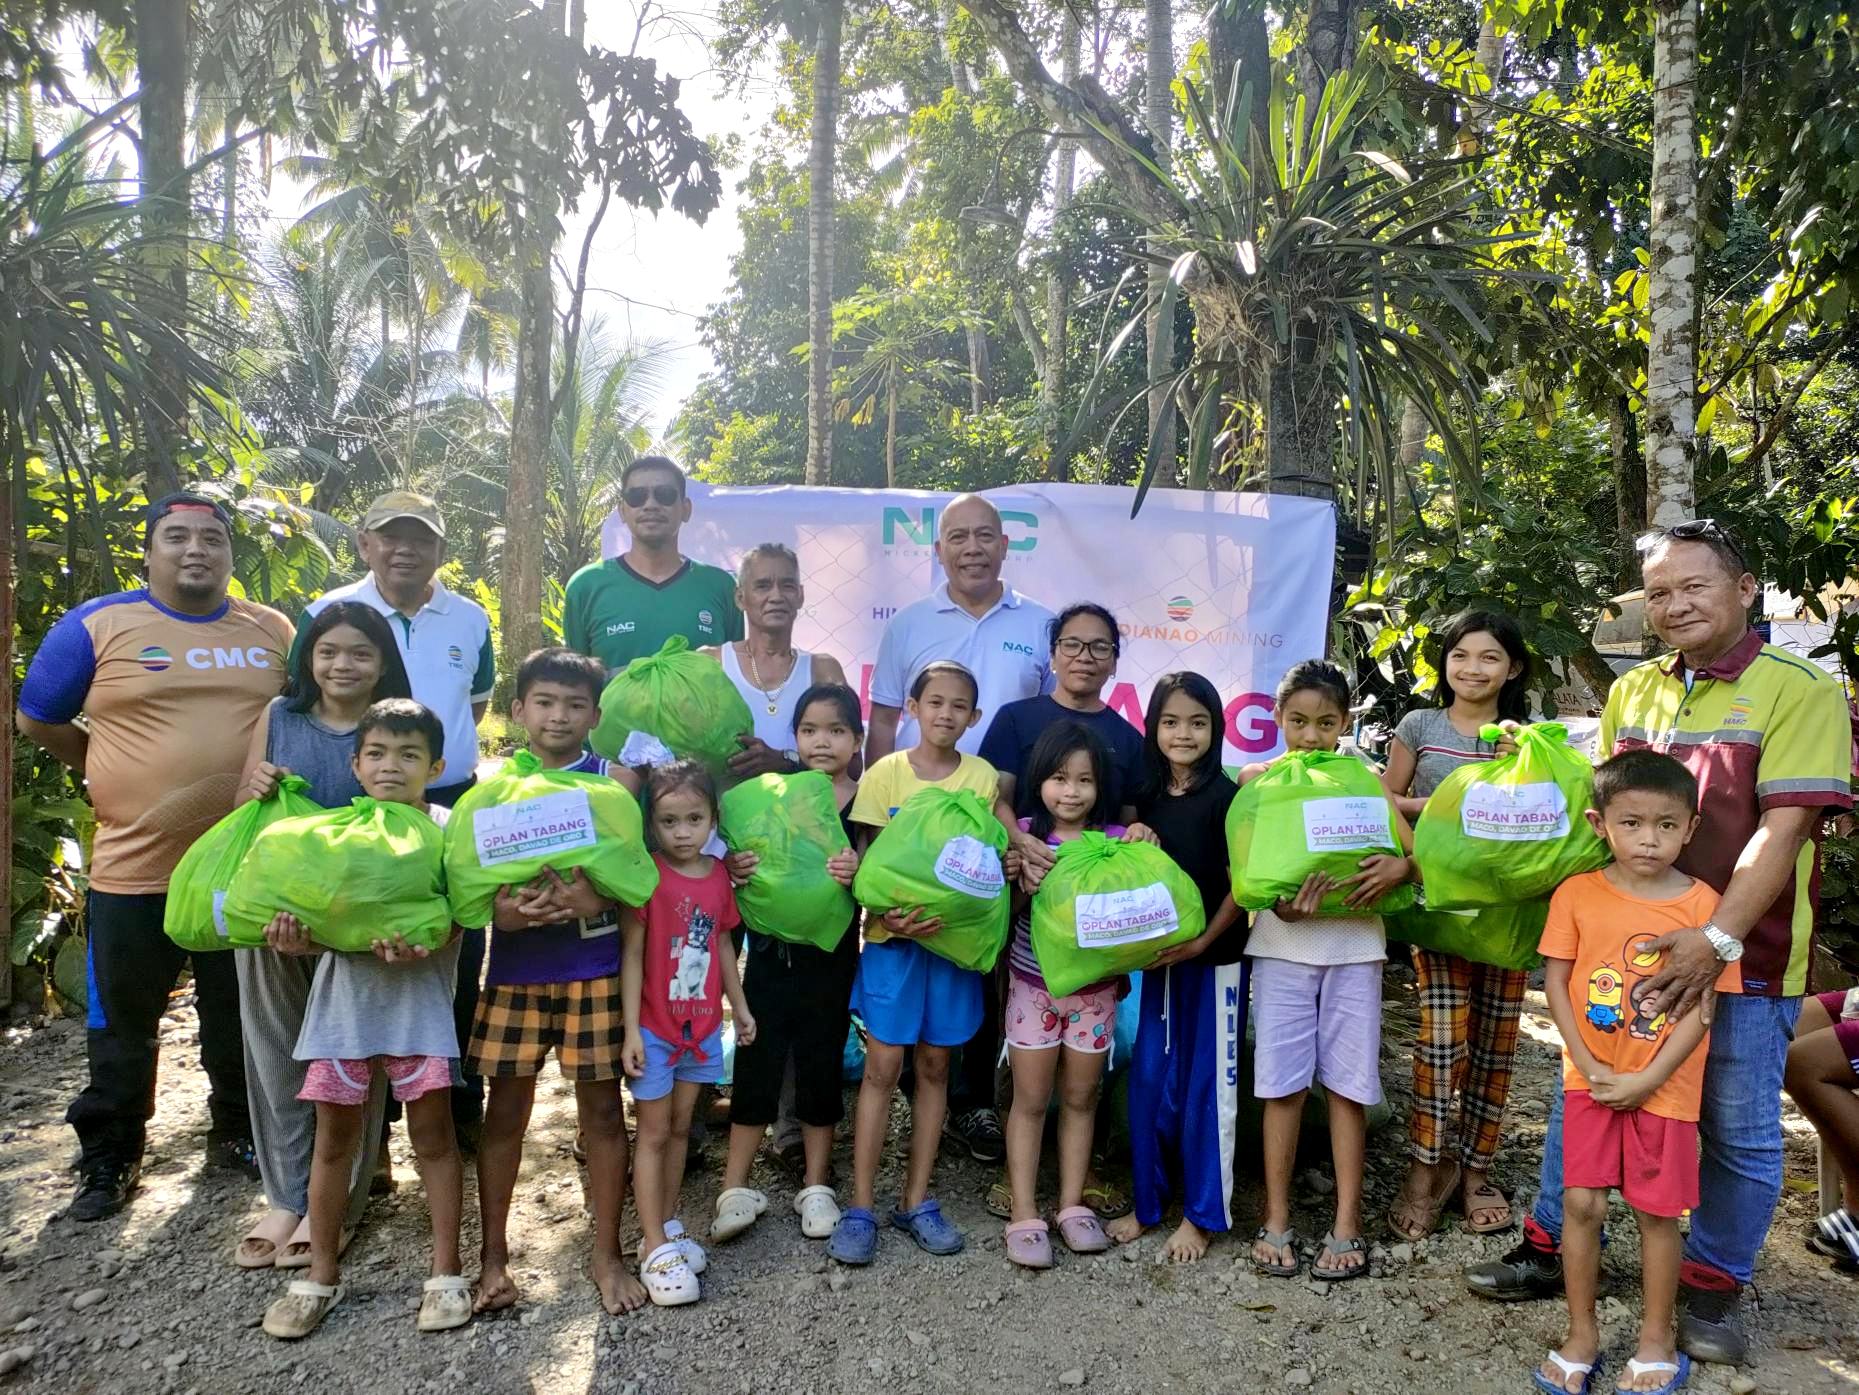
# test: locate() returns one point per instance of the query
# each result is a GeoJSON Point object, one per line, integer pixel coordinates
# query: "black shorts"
{"type": "Point", "coordinates": [801, 998]}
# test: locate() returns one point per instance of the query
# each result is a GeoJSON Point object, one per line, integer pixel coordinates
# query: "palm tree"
{"type": "Point", "coordinates": [823, 144]}
{"type": "Point", "coordinates": [1671, 301]}
{"type": "Point", "coordinates": [894, 334]}
{"type": "Point", "coordinates": [161, 31]}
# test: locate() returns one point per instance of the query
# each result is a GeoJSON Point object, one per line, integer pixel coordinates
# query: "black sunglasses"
{"type": "Point", "coordinates": [664, 495]}
{"type": "Point", "coordinates": [1692, 530]}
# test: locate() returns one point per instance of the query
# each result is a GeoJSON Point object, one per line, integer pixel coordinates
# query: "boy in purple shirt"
{"type": "Point", "coordinates": [553, 984]}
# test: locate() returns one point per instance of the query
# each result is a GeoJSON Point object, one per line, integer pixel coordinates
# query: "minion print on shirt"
{"type": "Point", "coordinates": [1604, 997]}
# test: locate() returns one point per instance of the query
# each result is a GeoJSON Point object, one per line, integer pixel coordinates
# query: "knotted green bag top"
{"type": "Point", "coordinates": [352, 876]}
{"type": "Point", "coordinates": [1311, 811]}
{"type": "Point", "coordinates": [193, 917]}
{"type": "Point", "coordinates": [1508, 830]}
{"type": "Point", "coordinates": [505, 830]}
{"type": "Point", "coordinates": [684, 699]}
{"type": "Point", "coordinates": [1108, 908]}
{"type": "Point", "coordinates": [791, 822]}
{"type": "Point", "coordinates": [1503, 936]}
{"type": "Point", "coordinates": [942, 851]}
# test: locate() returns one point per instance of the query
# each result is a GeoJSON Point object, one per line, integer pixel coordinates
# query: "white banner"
{"type": "Point", "coordinates": [1234, 586]}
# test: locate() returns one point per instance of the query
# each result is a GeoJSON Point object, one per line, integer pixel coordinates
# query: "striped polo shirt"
{"type": "Point", "coordinates": [1760, 729]}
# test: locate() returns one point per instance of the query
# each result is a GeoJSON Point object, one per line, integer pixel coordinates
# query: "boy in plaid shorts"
{"type": "Point", "coordinates": [553, 983]}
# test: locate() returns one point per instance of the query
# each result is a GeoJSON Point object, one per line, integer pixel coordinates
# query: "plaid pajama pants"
{"type": "Point", "coordinates": [1467, 1042]}
{"type": "Point", "coordinates": [518, 1024]}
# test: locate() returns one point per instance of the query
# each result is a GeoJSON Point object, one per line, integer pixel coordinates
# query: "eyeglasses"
{"type": "Point", "coordinates": [1071, 647]}
{"type": "Point", "coordinates": [1705, 530]}
{"type": "Point", "coordinates": [664, 495]}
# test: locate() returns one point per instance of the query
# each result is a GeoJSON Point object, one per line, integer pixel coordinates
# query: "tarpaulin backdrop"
{"type": "Point", "coordinates": [1235, 586]}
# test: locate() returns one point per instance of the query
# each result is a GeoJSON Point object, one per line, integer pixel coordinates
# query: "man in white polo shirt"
{"type": "Point", "coordinates": [973, 618]}
{"type": "Point", "coordinates": [445, 642]}
{"type": "Point", "coordinates": [1001, 637]}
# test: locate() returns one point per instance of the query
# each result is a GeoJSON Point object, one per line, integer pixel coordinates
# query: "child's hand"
{"type": "Point", "coordinates": [912, 924]}
{"type": "Point", "coordinates": [1142, 833]}
{"type": "Point", "coordinates": [288, 935]}
{"type": "Point", "coordinates": [264, 781]}
{"type": "Point", "coordinates": [1188, 949]}
{"type": "Point", "coordinates": [1035, 858]}
{"type": "Point", "coordinates": [575, 898]}
{"type": "Point", "coordinates": [745, 1027]}
{"type": "Point", "coordinates": [1014, 869]}
{"type": "Point", "coordinates": [741, 866]}
{"type": "Point", "coordinates": [1623, 1091]}
{"type": "Point", "coordinates": [842, 866]}
{"type": "Point", "coordinates": [1309, 899]}
{"type": "Point", "coordinates": [395, 950]}
{"type": "Point", "coordinates": [1380, 874]}
{"type": "Point", "coordinates": [632, 1055]}
{"type": "Point", "coordinates": [1507, 743]}
{"type": "Point", "coordinates": [517, 908]}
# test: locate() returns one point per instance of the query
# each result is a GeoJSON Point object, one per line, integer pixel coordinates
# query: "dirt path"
{"type": "Point", "coordinates": [150, 1302]}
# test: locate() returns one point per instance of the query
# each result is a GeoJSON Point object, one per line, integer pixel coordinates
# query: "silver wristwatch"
{"type": "Point", "coordinates": [792, 757]}
{"type": "Point", "coordinates": [1727, 947]}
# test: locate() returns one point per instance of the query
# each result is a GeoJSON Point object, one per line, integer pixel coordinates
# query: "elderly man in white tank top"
{"type": "Point", "coordinates": [769, 672]}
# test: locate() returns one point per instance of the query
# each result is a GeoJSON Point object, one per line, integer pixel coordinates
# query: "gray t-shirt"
{"type": "Point", "coordinates": [361, 1007]}
{"type": "Point", "coordinates": [318, 752]}
{"type": "Point", "coordinates": [1439, 747]}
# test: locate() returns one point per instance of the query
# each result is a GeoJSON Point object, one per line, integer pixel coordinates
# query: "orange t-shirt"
{"type": "Point", "coordinates": [1604, 931]}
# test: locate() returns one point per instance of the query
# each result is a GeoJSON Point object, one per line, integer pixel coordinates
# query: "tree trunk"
{"type": "Point", "coordinates": [1239, 54]}
{"type": "Point", "coordinates": [1672, 356]}
{"type": "Point", "coordinates": [1589, 663]}
{"type": "Point", "coordinates": [820, 216]}
{"type": "Point", "coordinates": [890, 430]}
{"type": "Point", "coordinates": [526, 484]}
{"type": "Point", "coordinates": [1159, 117]}
{"type": "Point", "coordinates": [1629, 469]}
{"type": "Point", "coordinates": [16, 466]}
{"type": "Point", "coordinates": [229, 184]}
{"type": "Point", "coordinates": [1329, 48]}
{"type": "Point", "coordinates": [1300, 422]}
{"type": "Point", "coordinates": [163, 193]}
{"type": "Point", "coordinates": [1058, 279]}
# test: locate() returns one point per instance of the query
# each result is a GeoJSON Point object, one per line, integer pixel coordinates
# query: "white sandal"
{"type": "Point", "coordinates": [693, 1252]}
{"type": "Point", "coordinates": [736, 1210]}
{"type": "Point", "coordinates": [445, 1303]}
{"type": "Point", "coordinates": [667, 1277]}
{"type": "Point", "coordinates": [301, 1310]}
{"type": "Point", "coordinates": [818, 1208]}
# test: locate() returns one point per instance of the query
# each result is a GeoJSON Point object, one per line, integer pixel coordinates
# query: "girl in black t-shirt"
{"type": "Point", "coordinates": [1184, 1082]}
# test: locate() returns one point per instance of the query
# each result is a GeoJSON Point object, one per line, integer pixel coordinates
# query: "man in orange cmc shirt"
{"type": "Point", "coordinates": [171, 678]}
{"type": "Point", "coordinates": [1633, 1075]}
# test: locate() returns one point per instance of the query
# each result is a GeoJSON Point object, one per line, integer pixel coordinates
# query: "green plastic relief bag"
{"type": "Point", "coordinates": [193, 918]}
{"type": "Point", "coordinates": [505, 830]}
{"type": "Point", "coordinates": [682, 700]}
{"type": "Point", "coordinates": [1108, 908]}
{"type": "Point", "coordinates": [1503, 936]}
{"type": "Point", "coordinates": [1513, 829]}
{"type": "Point", "coordinates": [942, 851]}
{"type": "Point", "coordinates": [1312, 811]}
{"type": "Point", "coordinates": [792, 823]}
{"type": "Point", "coordinates": [352, 876]}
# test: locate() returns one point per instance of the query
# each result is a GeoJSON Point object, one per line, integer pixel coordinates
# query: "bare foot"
{"type": "Point", "coordinates": [1577, 1353]}
{"type": "Point", "coordinates": [496, 1289]}
{"type": "Point", "coordinates": [1661, 1354]}
{"type": "Point", "coordinates": [1125, 1229]}
{"type": "Point", "coordinates": [1187, 1245]}
{"type": "Point", "coordinates": [620, 1291]}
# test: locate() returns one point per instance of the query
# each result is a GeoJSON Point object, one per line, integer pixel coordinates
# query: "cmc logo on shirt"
{"type": "Point", "coordinates": [252, 657]}
{"type": "Point", "coordinates": [456, 655]}
{"type": "Point", "coordinates": [155, 659]}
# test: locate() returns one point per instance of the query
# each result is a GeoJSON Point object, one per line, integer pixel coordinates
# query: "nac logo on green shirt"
{"type": "Point", "coordinates": [919, 529]}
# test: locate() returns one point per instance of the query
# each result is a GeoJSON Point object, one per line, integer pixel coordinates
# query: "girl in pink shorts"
{"type": "Point", "coordinates": [1066, 1040]}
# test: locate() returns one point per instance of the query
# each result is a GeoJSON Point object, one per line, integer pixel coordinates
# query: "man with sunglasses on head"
{"type": "Point", "coordinates": [1767, 736]}
{"type": "Point", "coordinates": [626, 607]}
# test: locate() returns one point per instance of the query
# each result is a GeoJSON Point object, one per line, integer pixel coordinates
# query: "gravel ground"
{"type": "Point", "coordinates": [149, 1301]}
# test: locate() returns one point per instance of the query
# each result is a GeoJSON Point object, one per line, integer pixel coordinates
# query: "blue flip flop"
{"type": "Point", "coordinates": [1568, 1368]}
{"type": "Point", "coordinates": [855, 1237]}
{"type": "Point", "coordinates": [1681, 1372]}
{"type": "Point", "coordinates": [929, 1228]}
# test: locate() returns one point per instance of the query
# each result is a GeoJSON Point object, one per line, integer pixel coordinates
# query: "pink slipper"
{"type": "Point", "coordinates": [1029, 1245]}
{"type": "Point", "coordinates": [1081, 1231]}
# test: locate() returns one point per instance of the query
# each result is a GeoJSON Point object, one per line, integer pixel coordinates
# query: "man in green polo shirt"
{"type": "Point", "coordinates": [628, 606]}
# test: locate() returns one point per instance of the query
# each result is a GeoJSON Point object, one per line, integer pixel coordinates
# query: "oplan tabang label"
{"type": "Point", "coordinates": [545, 825]}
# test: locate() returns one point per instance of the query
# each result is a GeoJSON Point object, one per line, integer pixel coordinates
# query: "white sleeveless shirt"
{"type": "Point", "coordinates": [774, 729]}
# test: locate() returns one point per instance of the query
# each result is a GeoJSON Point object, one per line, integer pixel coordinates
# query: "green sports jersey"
{"type": "Point", "coordinates": [616, 615]}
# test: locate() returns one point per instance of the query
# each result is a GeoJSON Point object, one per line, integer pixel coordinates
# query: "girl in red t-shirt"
{"type": "Point", "coordinates": [679, 965]}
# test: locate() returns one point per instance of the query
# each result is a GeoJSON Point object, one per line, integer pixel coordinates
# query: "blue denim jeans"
{"type": "Point", "coordinates": [1739, 1127]}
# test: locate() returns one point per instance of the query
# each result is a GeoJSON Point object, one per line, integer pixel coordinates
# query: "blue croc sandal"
{"type": "Point", "coordinates": [1584, 1369]}
{"type": "Point", "coordinates": [929, 1228]}
{"type": "Point", "coordinates": [855, 1238]}
{"type": "Point", "coordinates": [1680, 1372]}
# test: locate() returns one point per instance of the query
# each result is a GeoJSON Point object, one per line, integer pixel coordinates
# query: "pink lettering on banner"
{"type": "Point", "coordinates": [1251, 734]}
{"type": "Point", "coordinates": [864, 689]}
{"type": "Point", "coordinates": [1124, 701]}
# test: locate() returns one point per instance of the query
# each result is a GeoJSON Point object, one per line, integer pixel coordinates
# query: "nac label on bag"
{"type": "Point", "coordinates": [1127, 917]}
{"type": "Point", "coordinates": [970, 866]}
{"type": "Point", "coordinates": [1532, 813]}
{"type": "Point", "coordinates": [549, 823]}
{"type": "Point", "coordinates": [1353, 823]}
